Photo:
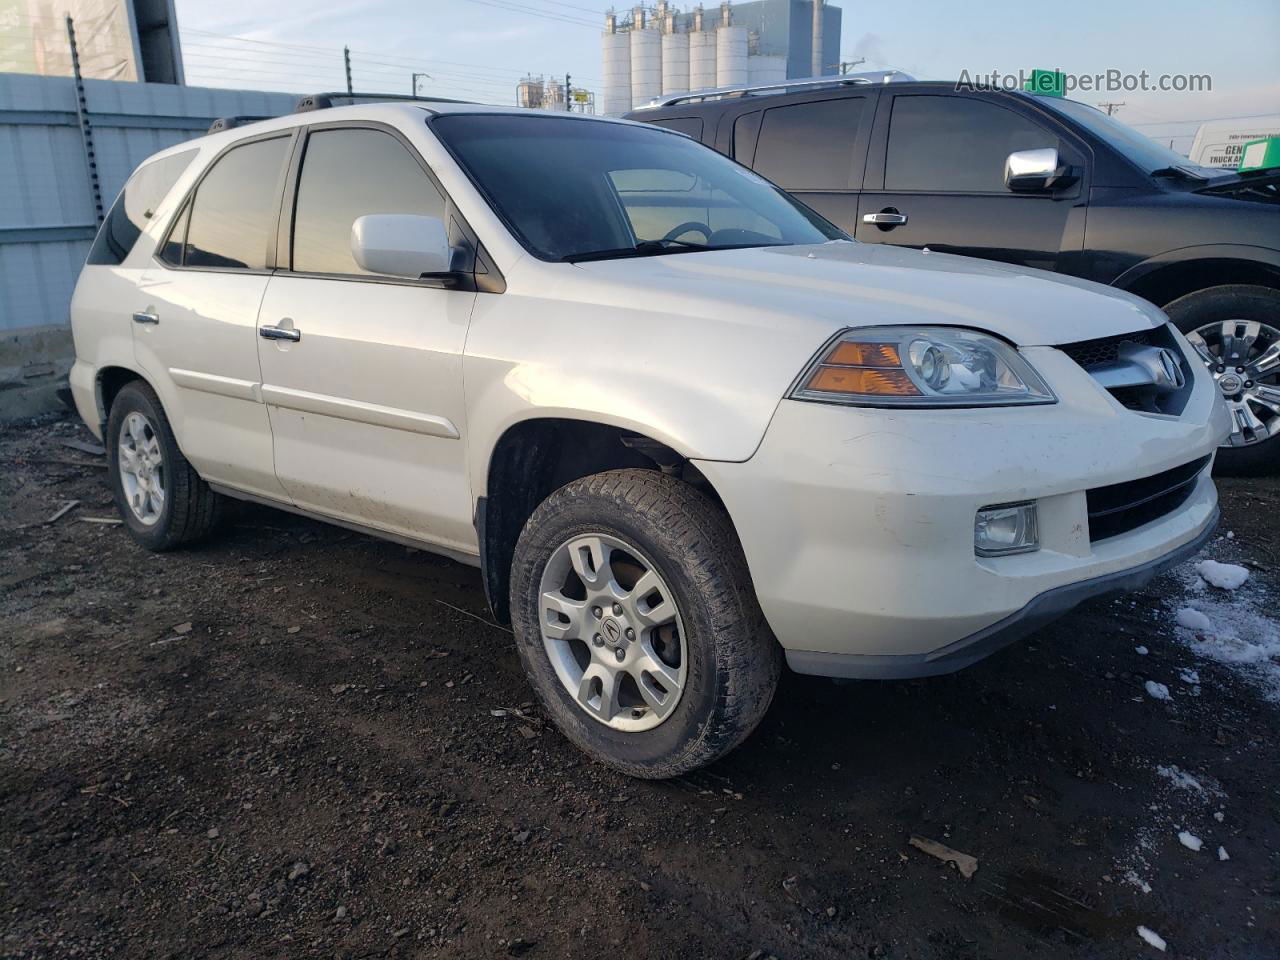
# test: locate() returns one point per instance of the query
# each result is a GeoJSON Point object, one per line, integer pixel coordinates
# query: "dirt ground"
{"type": "Point", "coordinates": [301, 742]}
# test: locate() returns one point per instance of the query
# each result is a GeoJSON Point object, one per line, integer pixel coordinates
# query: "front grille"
{"type": "Point", "coordinates": [1094, 353]}
{"type": "Point", "coordinates": [1102, 360]}
{"type": "Point", "coordinates": [1122, 507]}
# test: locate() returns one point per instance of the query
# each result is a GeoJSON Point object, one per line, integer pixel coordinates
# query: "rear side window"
{"type": "Point", "coordinates": [689, 126]}
{"type": "Point", "coordinates": [233, 214]}
{"type": "Point", "coordinates": [135, 206]}
{"type": "Point", "coordinates": [809, 146]}
{"type": "Point", "coordinates": [955, 144]}
{"type": "Point", "coordinates": [347, 174]}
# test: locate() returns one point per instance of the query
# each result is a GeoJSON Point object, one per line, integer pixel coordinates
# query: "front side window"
{"type": "Point", "coordinates": [233, 215]}
{"type": "Point", "coordinates": [955, 144]}
{"type": "Point", "coordinates": [347, 174]}
{"type": "Point", "coordinates": [809, 146]}
{"type": "Point", "coordinates": [135, 206]}
{"type": "Point", "coordinates": [573, 189]}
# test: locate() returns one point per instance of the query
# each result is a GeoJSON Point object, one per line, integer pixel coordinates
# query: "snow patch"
{"type": "Point", "coordinates": [1190, 840]}
{"type": "Point", "coordinates": [1180, 778]}
{"type": "Point", "coordinates": [1224, 576]}
{"type": "Point", "coordinates": [1194, 620]}
{"type": "Point", "coordinates": [1189, 676]}
{"type": "Point", "coordinates": [1153, 938]}
{"type": "Point", "coordinates": [1222, 854]}
{"type": "Point", "coordinates": [1235, 628]}
{"type": "Point", "coordinates": [1141, 651]}
{"type": "Point", "coordinates": [1157, 691]}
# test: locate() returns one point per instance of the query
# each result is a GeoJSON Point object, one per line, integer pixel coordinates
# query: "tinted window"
{"type": "Point", "coordinates": [173, 246]}
{"type": "Point", "coordinates": [745, 129]}
{"type": "Point", "coordinates": [575, 189]}
{"type": "Point", "coordinates": [233, 216]}
{"type": "Point", "coordinates": [809, 146]}
{"type": "Point", "coordinates": [954, 143]}
{"type": "Point", "coordinates": [689, 126]}
{"type": "Point", "coordinates": [137, 203]}
{"type": "Point", "coordinates": [347, 174]}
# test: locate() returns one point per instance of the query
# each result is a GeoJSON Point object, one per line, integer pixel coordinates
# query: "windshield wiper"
{"type": "Point", "coordinates": [1177, 173]}
{"type": "Point", "coordinates": [644, 248]}
{"type": "Point", "coordinates": [654, 248]}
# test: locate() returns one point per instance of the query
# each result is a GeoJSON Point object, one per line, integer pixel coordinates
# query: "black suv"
{"type": "Point", "coordinates": [1038, 181]}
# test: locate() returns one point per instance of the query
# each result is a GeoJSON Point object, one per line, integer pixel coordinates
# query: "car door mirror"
{"type": "Point", "coordinates": [1032, 170]}
{"type": "Point", "coordinates": [401, 245]}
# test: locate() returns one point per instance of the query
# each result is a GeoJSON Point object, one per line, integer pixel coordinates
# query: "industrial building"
{"type": "Point", "coordinates": [549, 93]}
{"type": "Point", "coordinates": [654, 51]}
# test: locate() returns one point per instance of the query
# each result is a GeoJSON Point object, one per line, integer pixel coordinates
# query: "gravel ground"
{"type": "Point", "coordinates": [300, 742]}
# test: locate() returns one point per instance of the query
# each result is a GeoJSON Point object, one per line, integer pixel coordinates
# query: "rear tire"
{"type": "Point", "coordinates": [666, 533]}
{"type": "Point", "coordinates": [161, 498]}
{"type": "Point", "coordinates": [1206, 310]}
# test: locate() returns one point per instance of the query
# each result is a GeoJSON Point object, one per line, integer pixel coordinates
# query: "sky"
{"type": "Point", "coordinates": [479, 49]}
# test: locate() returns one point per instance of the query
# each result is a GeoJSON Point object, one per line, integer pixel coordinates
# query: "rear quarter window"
{"type": "Point", "coordinates": [135, 206]}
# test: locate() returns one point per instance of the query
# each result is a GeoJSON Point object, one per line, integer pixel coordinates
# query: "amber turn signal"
{"type": "Point", "coordinates": [864, 380]}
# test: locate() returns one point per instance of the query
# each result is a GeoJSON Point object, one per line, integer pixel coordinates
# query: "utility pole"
{"type": "Point", "coordinates": [1111, 107]}
{"type": "Point", "coordinates": [844, 65]}
{"type": "Point", "coordinates": [86, 128]}
{"type": "Point", "coordinates": [415, 81]}
{"type": "Point", "coordinates": [568, 93]}
{"type": "Point", "coordinates": [346, 60]}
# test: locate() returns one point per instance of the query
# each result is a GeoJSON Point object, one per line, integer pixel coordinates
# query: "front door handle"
{"type": "Point", "coordinates": [280, 333]}
{"type": "Point", "coordinates": [143, 316]}
{"type": "Point", "coordinates": [885, 218]}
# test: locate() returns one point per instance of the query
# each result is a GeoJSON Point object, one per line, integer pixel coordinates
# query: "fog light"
{"type": "Point", "coordinates": [1008, 528]}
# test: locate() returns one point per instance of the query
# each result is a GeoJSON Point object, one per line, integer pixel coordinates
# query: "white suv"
{"type": "Point", "coordinates": [683, 425]}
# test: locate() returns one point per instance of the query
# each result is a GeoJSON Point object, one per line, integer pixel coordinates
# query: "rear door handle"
{"type": "Point", "coordinates": [144, 317]}
{"type": "Point", "coordinates": [884, 219]}
{"type": "Point", "coordinates": [280, 333]}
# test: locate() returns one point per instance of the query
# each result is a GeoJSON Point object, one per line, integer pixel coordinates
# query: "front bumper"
{"type": "Point", "coordinates": [858, 523]}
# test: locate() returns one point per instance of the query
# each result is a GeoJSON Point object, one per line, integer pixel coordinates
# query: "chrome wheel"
{"type": "Point", "coordinates": [613, 634]}
{"type": "Point", "coordinates": [1244, 358]}
{"type": "Point", "coordinates": [142, 473]}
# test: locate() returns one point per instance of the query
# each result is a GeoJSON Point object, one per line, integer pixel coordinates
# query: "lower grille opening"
{"type": "Point", "coordinates": [1121, 507]}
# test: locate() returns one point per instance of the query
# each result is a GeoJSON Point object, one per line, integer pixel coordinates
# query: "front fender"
{"type": "Point", "coordinates": [1248, 253]}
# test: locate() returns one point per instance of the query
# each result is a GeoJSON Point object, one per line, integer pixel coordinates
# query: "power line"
{"type": "Point", "coordinates": [1111, 107]}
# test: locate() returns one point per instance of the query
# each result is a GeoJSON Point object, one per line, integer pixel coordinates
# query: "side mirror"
{"type": "Point", "coordinates": [1032, 170]}
{"type": "Point", "coordinates": [401, 245]}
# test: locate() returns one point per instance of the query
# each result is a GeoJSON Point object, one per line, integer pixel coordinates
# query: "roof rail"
{"type": "Point", "coordinates": [230, 123]}
{"type": "Point", "coordinates": [322, 101]}
{"type": "Point", "coordinates": [753, 89]}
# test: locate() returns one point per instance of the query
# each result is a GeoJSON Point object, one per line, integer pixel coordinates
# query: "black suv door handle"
{"type": "Point", "coordinates": [143, 316]}
{"type": "Point", "coordinates": [279, 333]}
{"type": "Point", "coordinates": [888, 217]}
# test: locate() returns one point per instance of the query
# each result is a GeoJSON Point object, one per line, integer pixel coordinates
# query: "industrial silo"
{"type": "Point", "coordinates": [731, 56]}
{"type": "Point", "coordinates": [675, 62]}
{"type": "Point", "coordinates": [702, 56]}
{"type": "Point", "coordinates": [616, 97]}
{"type": "Point", "coordinates": [646, 63]}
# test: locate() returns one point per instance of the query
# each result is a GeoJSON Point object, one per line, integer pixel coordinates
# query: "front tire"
{"type": "Point", "coordinates": [636, 620]}
{"type": "Point", "coordinates": [161, 498]}
{"type": "Point", "coordinates": [1236, 330]}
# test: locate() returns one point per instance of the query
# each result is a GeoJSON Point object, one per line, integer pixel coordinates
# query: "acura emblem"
{"type": "Point", "coordinates": [1172, 368]}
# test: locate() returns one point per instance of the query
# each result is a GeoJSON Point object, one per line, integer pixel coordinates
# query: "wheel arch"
{"type": "Point", "coordinates": [108, 382]}
{"type": "Point", "coordinates": [1164, 278]}
{"type": "Point", "coordinates": [535, 457]}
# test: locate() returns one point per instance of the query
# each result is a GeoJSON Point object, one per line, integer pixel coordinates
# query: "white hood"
{"type": "Point", "coordinates": [856, 284]}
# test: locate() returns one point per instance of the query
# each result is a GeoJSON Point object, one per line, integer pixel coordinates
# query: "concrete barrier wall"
{"type": "Point", "coordinates": [47, 212]}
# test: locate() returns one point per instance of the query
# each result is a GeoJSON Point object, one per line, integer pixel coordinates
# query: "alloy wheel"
{"type": "Point", "coordinates": [1244, 358]}
{"type": "Point", "coordinates": [142, 471]}
{"type": "Point", "coordinates": [612, 631]}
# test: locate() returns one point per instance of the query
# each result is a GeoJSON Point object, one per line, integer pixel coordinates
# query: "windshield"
{"type": "Point", "coordinates": [1137, 147]}
{"type": "Point", "coordinates": [584, 190]}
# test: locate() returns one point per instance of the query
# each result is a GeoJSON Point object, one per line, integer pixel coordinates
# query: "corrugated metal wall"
{"type": "Point", "coordinates": [47, 217]}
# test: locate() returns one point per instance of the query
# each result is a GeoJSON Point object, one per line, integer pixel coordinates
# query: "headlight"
{"type": "Point", "coordinates": [920, 367]}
